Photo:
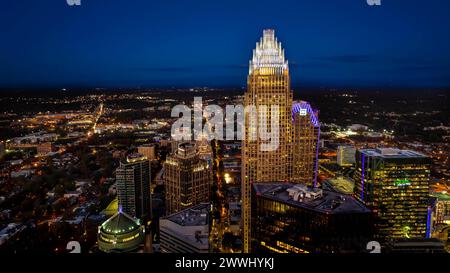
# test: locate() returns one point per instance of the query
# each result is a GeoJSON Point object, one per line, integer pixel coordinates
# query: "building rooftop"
{"type": "Point", "coordinates": [136, 157]}
{"type": "Point", "coordinates": [425, 245]}
{"type": "Point", "coordinates": [189, 225]}
{"type": "Point", "coordinates": [150, 145]}
{"type": "Point", "coordinates": [304, 108]}
{"type": "Point", "coordinates": [392, 153]}
{"type": "Point", "coordinates": [186, 150]}
{"type": "Point", "coordinates": [120, 223]}
{"type": "Point", "coordinates": [194, 216]}
{"type": "Point", "coordinates": [341, 184]}
{"type": "Point", "coordinates": [315, 199]}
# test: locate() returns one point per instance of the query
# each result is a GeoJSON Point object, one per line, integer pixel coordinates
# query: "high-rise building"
{"type": "Point", "coordinates": [345, 156]}
{"type": "Point", "coordinates": [148, 150]}
{"type": "Point", "coordinates": [394, 184]}
{"type": "Point", "coordinates": [295, 218]}
{"type": "Point", "coordinates": [187, 179]}
{"type": "Point", "coordinates": [295, 158]}
{"type": "Point", "coordinates": [269, 85]}
{"type": "Point", "coordinates": [133, 187]}
{"type": "Point", "coordinates": [186, 231]}
{"type": "Point", "coordinates": [305, 146]}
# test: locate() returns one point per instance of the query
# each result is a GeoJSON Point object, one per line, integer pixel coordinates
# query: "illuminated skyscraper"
{"type": "Point", "coordinates": [269, 86]}
{"type": "Point", "coordinates": [394, 184]}
{"type": "Point", "coordinates": [305, 144]}
{"type": "Point", "coordinates": [187, 179]}
{"type": "Point", "coordinates": [133, 187]}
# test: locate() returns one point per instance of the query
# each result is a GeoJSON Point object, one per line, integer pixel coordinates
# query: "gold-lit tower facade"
{"type": "Point", "coordinates": [305, 148]}
{"type": "Point", "coordinates": [187, 179]}
{"type": "Point", "coordinates": [268, 85]}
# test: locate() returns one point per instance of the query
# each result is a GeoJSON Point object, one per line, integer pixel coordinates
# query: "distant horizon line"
{"type": "Point", "coordinates": [67, 88]}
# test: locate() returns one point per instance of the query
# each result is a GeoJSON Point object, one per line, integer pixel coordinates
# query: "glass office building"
{"type": "Point", "coordinates": [293, 218]}
{"type": "Point", "coordinates": [133, 187]}
{"type": "Point", "coordinates": [394, 184]}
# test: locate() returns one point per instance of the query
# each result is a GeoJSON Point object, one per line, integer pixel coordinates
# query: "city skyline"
{"type": "Point", "coordinates": [141, 44]}
{"type": "Point", "coordinates": [124, 169]}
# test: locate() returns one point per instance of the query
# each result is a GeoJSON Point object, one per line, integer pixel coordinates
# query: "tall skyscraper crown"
{"type": "Point", "coordinates": [268, 56]}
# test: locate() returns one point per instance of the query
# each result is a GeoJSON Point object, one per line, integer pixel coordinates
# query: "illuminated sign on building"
{"type": "Point", "coordinates": [402, 182]}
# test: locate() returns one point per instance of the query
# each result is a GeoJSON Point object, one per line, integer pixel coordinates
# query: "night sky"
{"type": "Point", "coordinates": [149, 43]}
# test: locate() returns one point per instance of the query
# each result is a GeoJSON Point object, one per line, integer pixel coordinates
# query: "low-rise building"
{"type": "Point", "coordinates": [186, 231]}
{"type": "Point", "coordinates": [120, 233]}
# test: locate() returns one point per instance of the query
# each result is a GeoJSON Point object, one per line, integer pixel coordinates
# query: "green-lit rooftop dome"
{"type": "Point", "coordinates": [120, 233]}
{"type": "Point", "coordinates": [120, 223]}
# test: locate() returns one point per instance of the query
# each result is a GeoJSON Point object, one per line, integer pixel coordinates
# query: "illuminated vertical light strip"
{"type": "Point", "coordinates": [428, 232]}
{"type": "Point", "coordinates": [363, 170]}
{"type": "Point", "coordinates": [295, 109]}
{"type": "Point", "coordinates": [317, 158]}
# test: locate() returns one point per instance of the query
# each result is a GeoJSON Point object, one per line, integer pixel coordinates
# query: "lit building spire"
{"type": "Point", "coordinates": [268, 56]}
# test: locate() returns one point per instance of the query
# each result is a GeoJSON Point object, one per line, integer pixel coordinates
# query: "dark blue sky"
{"type": "Point", "coordinates": [129, 43]}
